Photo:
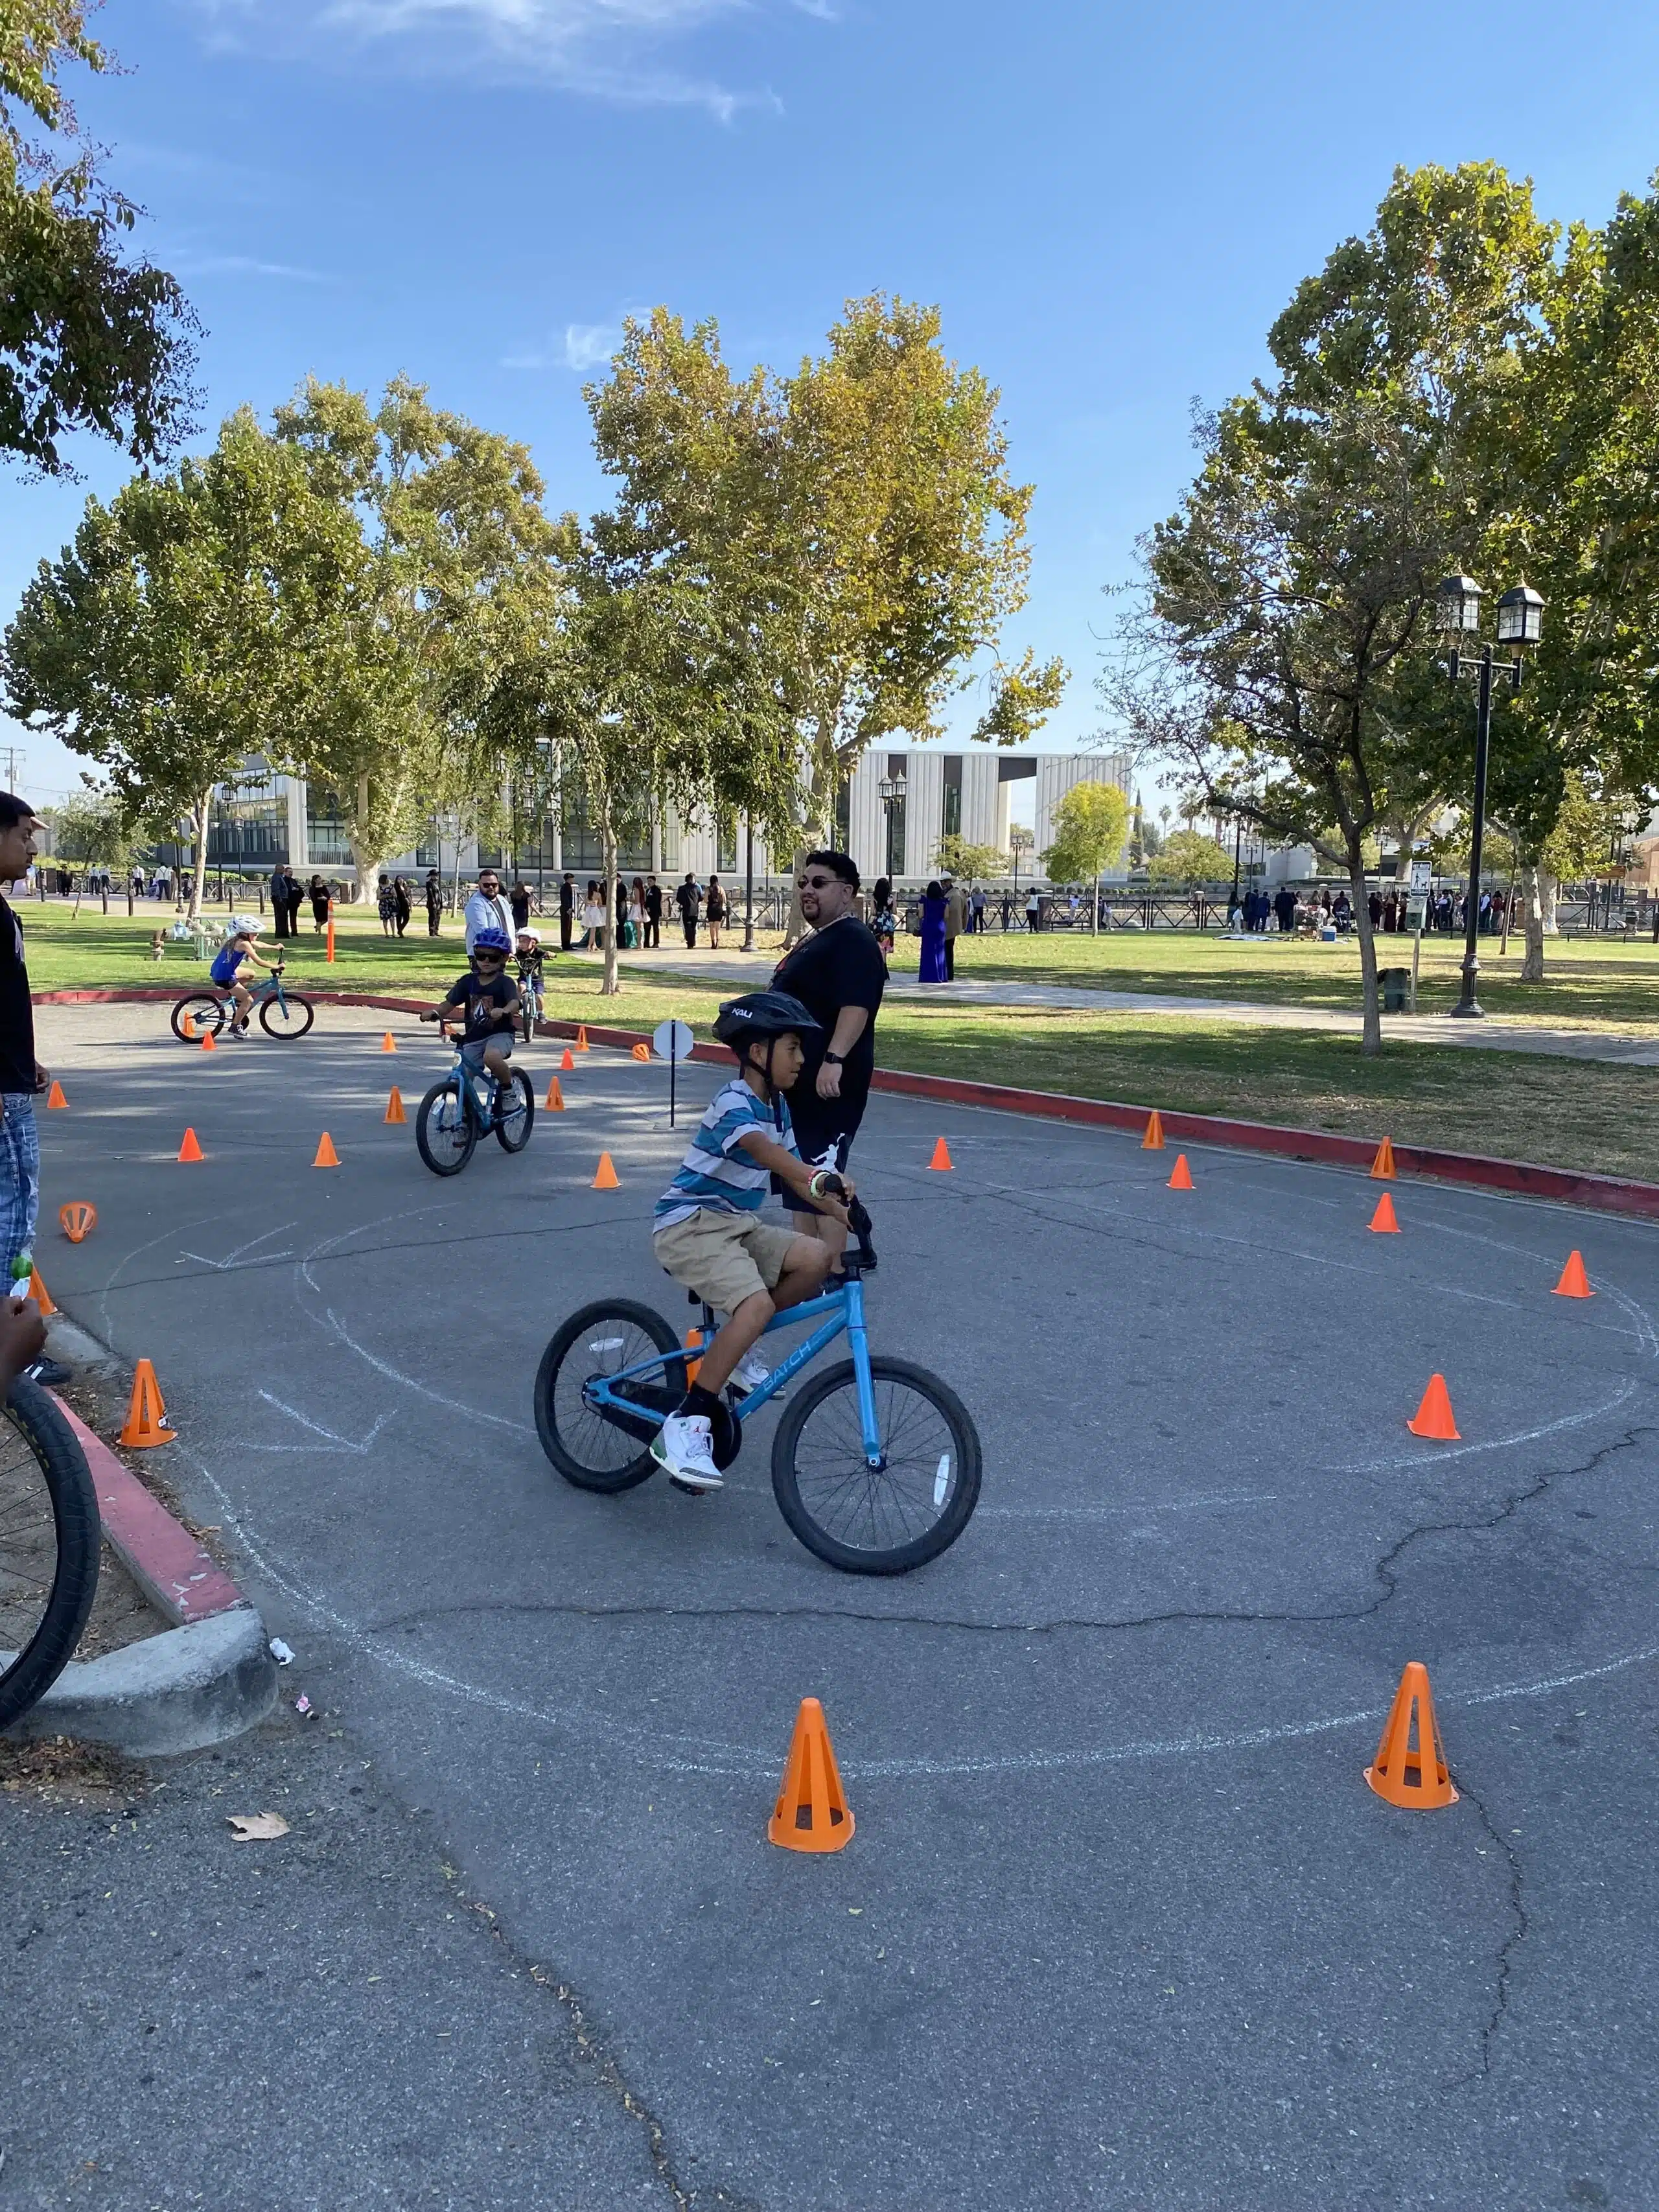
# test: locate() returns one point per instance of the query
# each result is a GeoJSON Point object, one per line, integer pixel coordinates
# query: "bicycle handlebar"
{"type": "Point", "coordinates": [858, 1216]}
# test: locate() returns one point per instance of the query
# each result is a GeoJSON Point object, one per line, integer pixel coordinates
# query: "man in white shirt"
{"type": "Point", "coordinates": [488, 908]}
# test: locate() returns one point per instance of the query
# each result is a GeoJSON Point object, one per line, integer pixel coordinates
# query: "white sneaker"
{"type": "Point", "coordinates": [750, 1371]}
{"type": "Point", "coordinates": [685, 1447]}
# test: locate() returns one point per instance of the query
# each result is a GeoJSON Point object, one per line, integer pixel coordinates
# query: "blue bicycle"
{"type": "Point", "coordinates": [465, 1105]}
{"type": "Point", "coordinates": [875, 1465]}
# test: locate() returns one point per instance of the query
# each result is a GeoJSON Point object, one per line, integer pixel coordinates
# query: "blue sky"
{"type": "Point", "coordinates": [1109, 205]}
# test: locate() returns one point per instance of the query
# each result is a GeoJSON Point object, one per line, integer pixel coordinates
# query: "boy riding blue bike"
{"type": "Point", "coordinates": [708, 1231]}
{"type": "Point", "coordinates": [490, 997]}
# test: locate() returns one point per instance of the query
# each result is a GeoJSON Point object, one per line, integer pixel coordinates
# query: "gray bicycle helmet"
{"type": "Point", "coordinates": [762, 1014]}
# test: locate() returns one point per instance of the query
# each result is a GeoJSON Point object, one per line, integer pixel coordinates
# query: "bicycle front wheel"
{"type": "Point", "coordinates": [287, 1018]}
{"type": "Point", "coordinates": [49, 1539]}
{"type": "Point", "coordinates": [885, 1520]}
{"type": "Point", "coordinates": [444, 1129]}
{"type": "Point", "coordinates": [515, 1113]}
{"type": "Point", "coordinates": [606, 1449]}
{"type": "Point", "coordinates": [206, 1012]}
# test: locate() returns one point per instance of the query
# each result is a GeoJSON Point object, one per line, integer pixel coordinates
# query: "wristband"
{"type": "Point", "coordinates": [834, 1060]}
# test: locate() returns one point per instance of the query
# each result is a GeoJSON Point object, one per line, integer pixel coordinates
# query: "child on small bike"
{"type": "Point", "coordinates": [489, 998]}
{"type": "Point", "coordinates": [238, 947]}
{"type": "Point", "coordinates": [529, 964]}
{"type": "Point", "coordinates": [708, 1231]}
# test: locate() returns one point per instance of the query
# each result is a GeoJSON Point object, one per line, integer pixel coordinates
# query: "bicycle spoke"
{"type": "Point", "coordinates": [884, 1508]}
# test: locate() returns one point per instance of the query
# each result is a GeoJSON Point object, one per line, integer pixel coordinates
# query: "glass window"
{"type": "Point", "coordinates": [896, 837]}
{"type": "Point", "coordinates": [327, 845]}
{"type": "Point", "coordinates": [953, 794]}
{"type": "Point", "coordinates": [583, 853]}
{"type": "Point", "coordinates": [725, 846]}
{"type": "Point", "coordinates": [843, 815]}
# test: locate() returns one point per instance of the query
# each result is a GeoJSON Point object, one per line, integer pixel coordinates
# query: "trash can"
{"type": "Point", "coordinates": [1397, 984]}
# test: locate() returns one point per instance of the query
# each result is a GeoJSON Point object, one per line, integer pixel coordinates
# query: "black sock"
{"type": "Point", "coordinates": [698, 1400]}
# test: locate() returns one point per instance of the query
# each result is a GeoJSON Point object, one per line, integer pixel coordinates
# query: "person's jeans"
{"type": "Point", "coordinates": [20, 1176]}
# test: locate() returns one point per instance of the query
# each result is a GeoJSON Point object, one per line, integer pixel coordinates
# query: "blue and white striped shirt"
{"type": "Point", "coordinates": [718, 1173]}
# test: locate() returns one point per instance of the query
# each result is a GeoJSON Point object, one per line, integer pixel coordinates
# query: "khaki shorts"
{"type": "Point", "coordinates": [724, 1257]}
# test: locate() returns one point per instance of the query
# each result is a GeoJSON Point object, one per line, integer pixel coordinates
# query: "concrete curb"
{"type": "Point", "coordinates": [180, 1691]}
{"type": "Point", "coordinates": [1518, 1178]}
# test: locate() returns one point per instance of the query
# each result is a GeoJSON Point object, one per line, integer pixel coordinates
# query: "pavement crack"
{"type": "Point", "coordinates": [1519, 1926]}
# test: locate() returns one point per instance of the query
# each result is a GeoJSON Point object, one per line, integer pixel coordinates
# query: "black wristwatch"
{"type": "Point", "coordinates": [834, 1060]}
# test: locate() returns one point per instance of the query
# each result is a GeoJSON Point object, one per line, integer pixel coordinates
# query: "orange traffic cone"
{"type": "Point", "coordinates": [582, 1044]}
{"type": "Point", "coordinates": [607, 1178]}
{"type": "Point", "coordinates": [941, 1161]}
{"type": "Point", "coordinates": [1413, 1775]}
{"type": "Point", "coordinates": [55, 1096]}
{"type": "Point", "coordinates": [190, 1150]}
{"type": "Point", "coordinates": [208, 1045]}
{"type": "Point", "coordinates": [1154, 1139]}
{"type": "Point", "coordinates": [187, 1029]}
{"type": "Point", "coordinates": [326, 1155]}
{"type": "Point", "coordinates": [641, 1052]}
{"type": "Point", "coordinates": [1182, 1178]}
{"type": "Point", "coordinates": [394, 1106]}
{"type": "Point", "coordinates": [76, 1218]}
{"type": "Point", "coordinates": [1433, 1418]}
{"type": "Point", "coordinates": [1574, 1283]}
{"type": "Point", "coordinates": [693, 1343]}
{"type": "Point", "coordinates": [1382, 1165]}
{"type": "Point", "coordinates": [567, 1063]}
{"type": "Point", "coordinates": [1382, 1220]}
{"type": "Point", "coordinates": [39, 1292]}
{"type": "Point", "coordinates": [554, 1102]}
{"type": "Point", "coordinates": [811, 1814]}
{"type": "Point", "coordinates": [146, 1414]}
{"type": "Point", "coordinates": [388, 1042]}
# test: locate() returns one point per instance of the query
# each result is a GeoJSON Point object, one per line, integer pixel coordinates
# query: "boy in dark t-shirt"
{"type": "Point", "coordinates": [490, 999]}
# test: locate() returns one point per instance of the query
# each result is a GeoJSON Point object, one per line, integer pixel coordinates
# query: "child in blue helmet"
{"type": "Point", "coordinates": [488, 998]}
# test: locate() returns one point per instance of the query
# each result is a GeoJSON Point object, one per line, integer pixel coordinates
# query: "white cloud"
{"type": "Point", "coordinates": [583, 347]}
{"type": "Point", "coordinates": [241, 264]}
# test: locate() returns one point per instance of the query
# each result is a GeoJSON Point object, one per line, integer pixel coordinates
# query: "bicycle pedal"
{"type": "Point", "coordinates": [689, 1489]}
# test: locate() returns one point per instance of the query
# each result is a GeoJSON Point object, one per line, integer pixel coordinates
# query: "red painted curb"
{"type": "Point", "coordinates": [1561, 1186]}
{"type": "Point", "coordinates": [163, 1557]}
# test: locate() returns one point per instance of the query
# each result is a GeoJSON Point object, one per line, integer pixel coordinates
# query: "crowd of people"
{"type": "Point", "coordinates": [1309, 913]}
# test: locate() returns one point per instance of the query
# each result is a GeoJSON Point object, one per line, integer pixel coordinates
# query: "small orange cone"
{"type": "Point", "coordinates": [394, 1106]}
{"type": "Point", "coordinates": [326, 1155]}
{"type": "Point", "coordinates": [582, 1044]}
{"type": "Point", "coordinates": [208, 1045]}
{"type": "Point", "coordinates": [1413, 1775]}
{"type": "Point", "coordinates": [187, 1029]}
{"type": "Point", "coordinates": [1182, 1178]}
{"type": "Point", "coordinates": [1382, 1165]}
{"type": "Point", "coordinates": [76, 1218]}
{"type": "Point", "coordinates": [693, 1343]}
{"type": "Point", "coordinates": [607, 1178]}
{"type": "Point", "coordinates": [1154, 1139]}
{"type": "Point", "coordinates": [941, 1161]}
{"type": "Point", "coordinates": [39, 1292]}
{"type": "Point", "coordinates": [388, 1042]}
{"type": "Point", "coordinates": [190, 1150]}
{"type": "Point", "coordinates": [146, 1414]}
{"type": "Point", "coordinates": [1433, 1418]}
{"type": "Point", "coordinates": [55, 1096]}
{"type": "Point", "coordinates": [641, 1052]}
{"type": "Point", "coordinates": [567, 1063]}
{"type": "Point", "coordinates": [1574, 1283]}
{"type": "Point", "coordinates": [554, 1102]}
{"type": "Point", "coordinates": [1382, 1220]}
{"type": "Point", "coordinates": [811, 1814]}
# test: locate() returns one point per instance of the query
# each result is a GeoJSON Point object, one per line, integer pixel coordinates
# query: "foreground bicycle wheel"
{"type": "Point", "coordinates": [444, 1130]}
{"type": "Point", "coordinates": [205, 1012]}
{"type": "Point", "coordinates": [597, 1450]}
{"type": "Point", "coordinates": [515, 1113]}
{"type": "Point", "coordinates": [290, 1019]}
{"type": "Point", "coordinates": [867, 1520]}
{"type": "Point", "coordinates": [49, 1541]}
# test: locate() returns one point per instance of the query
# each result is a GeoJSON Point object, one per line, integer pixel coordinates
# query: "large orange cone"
{"type": "Point", "coordinates": [190, 1150]}
{"type": "Point", "coordinates": [693, 1343]}
{"type": "Point", "coordinates": [1182, 1178]}
{"type": "Point", "coordinates": [554, 1102]}
{"type": "Point", "coordinates": [1154, 1139]}
{"type": "Point", "coordinates": [55, 1096]}
{"type": "Point", "coordinates": [187, 1029]}
{"type": "Point", "coordinates": [567, 1063]}
{"type": "Point", "coordinates": [1382, 1220]}
{"type": "Point", "coordinates": [811, 1813]}
{"type": "Point", "coordinates": [582, 1044]}
{"type": "Point", "coordinates": [146, 1414]}
{"type": "Point", "coordinates": [394, 1106]}
{"type": "Point", "coordinates": [388, 1042]}
{"type": "Point", "coordinates": [1574, 1283]}
{"type": "Point", "coordinates": [607, 1178]}
{"type": "Point", "coordinates": [326, 1155]}
{"type": "Point", "coordinates": [39, 1292]}
{"type": "Point", "coordinates": [1433, 1418]}
{"type": "Point", "coordinates": [1382, 1165]}
{"type": "Point", "coordinates": [208, 1045]}
{"type": "Point", "coordinates": [941, 1161]}
{"type": "Point", "coordinates": [76, 1219]}
{"type": "Point", "coordinates": [1413, 1775]}
{"type": "Point", "coordinates": [641, 1052]}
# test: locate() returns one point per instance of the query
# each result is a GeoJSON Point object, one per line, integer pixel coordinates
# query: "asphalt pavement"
{"type": "Point", "coordinates": [1121, 1925]}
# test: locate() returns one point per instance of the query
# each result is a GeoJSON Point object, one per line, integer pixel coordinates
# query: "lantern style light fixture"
{"type": "Point", "coordinates": [1520, 616]}
{"type": "Point", "coordinates": [1458, 606]}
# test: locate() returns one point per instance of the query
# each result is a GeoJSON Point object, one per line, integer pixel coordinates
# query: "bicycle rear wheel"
{"type": "Point", "coordinates": [445, 1130]}
{"type": "Point", "coordinates": [49, 1539]}
{"type": "Point", "coordinates": [606, 1450]}
{"type": "Point", "coordinates": [515, 1112]}
{"type": "Point", "coordinates": [870, 1521]}
{"type": "Point", "coordinates": [205, 1011]}
{"type": "Point", "coordinates": [292, 1018]}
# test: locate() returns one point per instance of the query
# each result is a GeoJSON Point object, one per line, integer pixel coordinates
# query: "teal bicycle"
{"type": "Point", "coordinates": [875, 1465]}
{"type": "Point", "coordinates": [467, 1104]}
{"type": "Point", "coordinates": [283, 1014]}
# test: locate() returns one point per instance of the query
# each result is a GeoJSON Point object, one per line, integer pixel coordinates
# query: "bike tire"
{"type": "Point", "coordinates": [514, 1139]}
{"type": "Point", "coordinates": [915, 1538]}
{"type": "Point", "coordinates": [285, 1030]}
{"type": "Point", "coordinates": [49, 1575]}
{"type": "Point", "coordinates": [205, 1011]}
{"type": "Point", "coordinates": [452, 1151]}
{"type": "Point", "coordinates": [572, 1436]}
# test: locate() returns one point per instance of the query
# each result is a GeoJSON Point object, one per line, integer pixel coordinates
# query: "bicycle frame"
{"type": "Point", "coordinates": [845, 1310]}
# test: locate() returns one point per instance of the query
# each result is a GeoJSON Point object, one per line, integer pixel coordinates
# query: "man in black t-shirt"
{"type": "Point", "coordinates": [567, 908]}
{"type": "Point", "coordinates": [22, 1076]}
{"type": "Point", "coordinates": [838, 974]}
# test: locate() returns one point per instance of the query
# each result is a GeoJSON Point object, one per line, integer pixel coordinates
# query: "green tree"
{"type": "Point", "coordinates": [91, 826]}
{"type": "Point", "coordinates": [1186, 858]}
{"type": "Point", "coordinates": [1091, 823]}
{"type": "Point", "coordinates": [955, 856]}
{"type": "Point", "coordinates": [89, 339]}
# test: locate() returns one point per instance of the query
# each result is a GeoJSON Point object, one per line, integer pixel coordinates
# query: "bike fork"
{"type": "Point", "coordinates": [858, 1340]}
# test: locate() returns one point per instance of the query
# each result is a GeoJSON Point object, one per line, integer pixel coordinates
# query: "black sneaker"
{"type": "Point", "coordinates": [51, 1374]}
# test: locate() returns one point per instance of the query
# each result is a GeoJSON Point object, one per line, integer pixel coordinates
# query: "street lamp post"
{"type": "Point", "coordinates": [748, 890]}
{"type": "Point", "coordinates": [1520, 623]}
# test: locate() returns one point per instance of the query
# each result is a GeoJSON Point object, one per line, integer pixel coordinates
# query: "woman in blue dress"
{"type": "Point", "coordinates": [932, 936]}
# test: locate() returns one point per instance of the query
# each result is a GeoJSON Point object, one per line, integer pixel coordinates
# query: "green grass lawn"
{"type": "Point", "coordinates": [1576, 1114]}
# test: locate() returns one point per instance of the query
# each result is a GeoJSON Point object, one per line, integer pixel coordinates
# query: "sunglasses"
{"type": "Point", "coordinates": [815, 883]}
{"type": "Point", "coordinates": [488, 959]}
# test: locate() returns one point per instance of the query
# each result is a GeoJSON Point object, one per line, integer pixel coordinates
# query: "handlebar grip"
{"type": "Point", "coordinates": [858, 1215]}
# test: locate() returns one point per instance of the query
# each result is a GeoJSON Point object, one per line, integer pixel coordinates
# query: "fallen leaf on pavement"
{"type": "Point", "coordinates": [257, 1828]}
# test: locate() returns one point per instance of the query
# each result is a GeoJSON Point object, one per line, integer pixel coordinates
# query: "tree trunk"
{"type": "Point", "coordinates": [1370, 1042]}
{"type": "Point", "coordinates": [1532, 966]}
{"type": "Point", "coordinates": [611, 985]}
{"type": "Point", "coordinates": [200, 814]}
{"type": "Point", "coordinates": [368, 865]}
{"type": "Point", "coordinates": [1549, 888]}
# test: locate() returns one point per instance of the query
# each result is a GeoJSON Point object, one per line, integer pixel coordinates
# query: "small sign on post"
{"type": "Point", "coordinates": [671, 1041]}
